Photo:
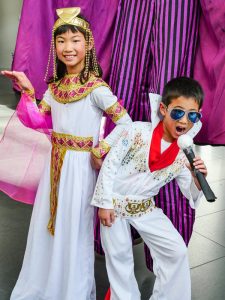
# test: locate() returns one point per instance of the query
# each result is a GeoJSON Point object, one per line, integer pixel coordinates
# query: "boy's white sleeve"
{"type": "Point", "coordinates": [188, 188]}
{"type": "Point", "coordinates": [104, 99]}
{"type": "Point", "coordinates": [103, 193]}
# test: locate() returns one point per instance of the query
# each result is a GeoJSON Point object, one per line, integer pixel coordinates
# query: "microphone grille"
{"type": "Point", "coordinates": [184, 141]}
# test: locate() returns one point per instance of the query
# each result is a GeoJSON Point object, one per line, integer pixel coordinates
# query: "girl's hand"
{"type": "Point", "coordinates": [20, 79]}
{"type": "Point", "coordinates": [96, 163]}
{"type": "Point", "coordinates": [106, 216]}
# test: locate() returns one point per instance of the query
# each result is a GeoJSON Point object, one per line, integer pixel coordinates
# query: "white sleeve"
{"type": "Point", "coordinates": [47, 97]}
{"type": "Point", "coordinates": [103, 98]}
{"type": "Point", "coordinates": [188, 188]}
{"type": "Point", "coordinates": [104, 188]}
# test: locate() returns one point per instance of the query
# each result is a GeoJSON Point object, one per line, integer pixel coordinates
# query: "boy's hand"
{"type": "Point", "coordinates": [20, 78]}
{"type": "Point", "coordinates": [106, 216]}
{"type": "Point", "coordinates": [96, 163]}
{"type": "Point", "coordinates": [199, 165]}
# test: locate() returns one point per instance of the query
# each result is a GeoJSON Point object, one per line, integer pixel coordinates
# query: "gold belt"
{"type": "Point", "coordinates": [60, 144]}
{"type": "Point", "coordinates": [132, 208]}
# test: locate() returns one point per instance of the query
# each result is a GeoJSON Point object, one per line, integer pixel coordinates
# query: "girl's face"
{"type": "Point", "coordinates": [70, 49]}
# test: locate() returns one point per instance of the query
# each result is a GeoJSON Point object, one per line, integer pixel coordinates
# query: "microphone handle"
{"type": "Point", "coordinates": [208, 193]}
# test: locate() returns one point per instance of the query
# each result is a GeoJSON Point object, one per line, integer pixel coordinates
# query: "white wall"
{"type": "Point", "coordinates": [9, 20]}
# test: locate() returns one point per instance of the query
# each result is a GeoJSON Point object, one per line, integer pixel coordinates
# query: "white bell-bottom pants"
{"type": "Point", "coordinates": [168, 250]}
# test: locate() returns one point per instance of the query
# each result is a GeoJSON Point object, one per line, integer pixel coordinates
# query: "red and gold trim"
{"type": "Point", "coordinates": [44, 108]}
{"type": "Point", "coordinates": [30, 93]}
{"type": "Point", "coordinates": [70, 89]}
{"type": "Point", "coordinates": [60, 144]}
{"type": "Point", "coordinates": [116, 111]}
{"type": "Point", "coordinates": [101, 149]}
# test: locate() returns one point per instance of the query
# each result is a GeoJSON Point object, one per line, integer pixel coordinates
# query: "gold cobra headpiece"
{"type": "Point", "coordinates": [68, 16]}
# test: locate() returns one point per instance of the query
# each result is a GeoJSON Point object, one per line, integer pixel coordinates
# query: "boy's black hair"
{"type": "Point", "coordinates": [60, 66]}
{"type": "Point", "coordinates": [182, 86]}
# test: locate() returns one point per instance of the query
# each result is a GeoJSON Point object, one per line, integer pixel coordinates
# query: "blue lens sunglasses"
{"type": "Point", "coordinates": [177, 114]}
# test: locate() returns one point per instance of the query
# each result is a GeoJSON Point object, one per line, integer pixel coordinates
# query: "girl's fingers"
{"type": "Point", "coordinates": [14, 74]}
{"type": "Point", "coordinates": [20, 79]}
{"type": "Point", "coordinates": [8, 74]}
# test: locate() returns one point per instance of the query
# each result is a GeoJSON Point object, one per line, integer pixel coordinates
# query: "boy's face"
{"type": "Point", "coordinates": [174, 128]}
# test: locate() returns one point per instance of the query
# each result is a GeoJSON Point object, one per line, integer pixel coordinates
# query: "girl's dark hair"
{"type": "Point", "coordinates": [182, 86]}
{"type": "Point", "coordinates": [61, 67]}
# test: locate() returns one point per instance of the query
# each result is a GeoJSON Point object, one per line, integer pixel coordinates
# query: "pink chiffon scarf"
{"type": "Point", "coordinates": [23, 149]}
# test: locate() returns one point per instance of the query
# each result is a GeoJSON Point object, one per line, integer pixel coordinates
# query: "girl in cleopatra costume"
{"type": "Point", "coordinates": [59, 257]}
{"type": "Point", "coordinates": [144, 159]}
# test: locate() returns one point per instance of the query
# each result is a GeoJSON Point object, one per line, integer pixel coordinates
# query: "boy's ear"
{"type": "Point", "coordinates": [162, 109]}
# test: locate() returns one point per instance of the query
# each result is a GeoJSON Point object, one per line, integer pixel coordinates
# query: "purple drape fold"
{"type": "Point", "coordinates": [34, 35]}
{"type": "Point", "coordinates": [210, 71]}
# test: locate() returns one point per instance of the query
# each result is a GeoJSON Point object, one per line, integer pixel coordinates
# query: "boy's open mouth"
{"type": "Point", "coordinates": [180, 129]}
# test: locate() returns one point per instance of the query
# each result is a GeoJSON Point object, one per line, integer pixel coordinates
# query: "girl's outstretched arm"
{"type": "Point", "coordinates": [31, 115]}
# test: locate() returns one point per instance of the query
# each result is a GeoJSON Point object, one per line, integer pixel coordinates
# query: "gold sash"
{"type": "Point", "coordinates": [60, 144]}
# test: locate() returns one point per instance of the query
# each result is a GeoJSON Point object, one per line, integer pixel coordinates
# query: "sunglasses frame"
{"type": "Point", "coordinates": [186, 113]}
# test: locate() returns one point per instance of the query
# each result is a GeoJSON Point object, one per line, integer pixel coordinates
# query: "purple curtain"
{"type": "Point", "coordinates": [209, 69]}
{"type": "Point", "coordinates": [154, 41]}
{"type": "Point", "coordinates": [34, 35]}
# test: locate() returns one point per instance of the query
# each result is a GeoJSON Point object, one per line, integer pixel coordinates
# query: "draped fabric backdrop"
{"type": "Point", "coordinates": [34, 35]}
{"type": "Point", "coordinates": [210, 71]}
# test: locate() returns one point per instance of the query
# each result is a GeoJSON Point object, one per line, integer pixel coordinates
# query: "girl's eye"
{"type": "Point", "coordinates": [76, 41]}
{"type": "Point", "coordinates": [60, 42]}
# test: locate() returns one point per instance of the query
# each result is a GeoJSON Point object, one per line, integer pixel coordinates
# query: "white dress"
{"type": "Point", "coordinates": [61, 267]}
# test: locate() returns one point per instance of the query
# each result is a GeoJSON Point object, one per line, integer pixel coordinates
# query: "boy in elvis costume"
{"type": "Point", "coordinates": [143, 159]}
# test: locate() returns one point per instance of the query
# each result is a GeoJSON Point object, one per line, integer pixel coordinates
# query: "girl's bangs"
{"type": "Point", "coordinates": [67, 27]}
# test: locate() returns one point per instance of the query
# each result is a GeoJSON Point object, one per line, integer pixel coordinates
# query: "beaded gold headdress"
{"type": "Point", "coordinates": [68, 16]}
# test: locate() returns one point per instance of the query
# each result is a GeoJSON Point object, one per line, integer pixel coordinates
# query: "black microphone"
{"type": "Point", "coordinates": [185, 143]}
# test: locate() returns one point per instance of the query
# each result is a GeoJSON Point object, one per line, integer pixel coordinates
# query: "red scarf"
{"type": "Point", "coordinates": [158, 160]}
